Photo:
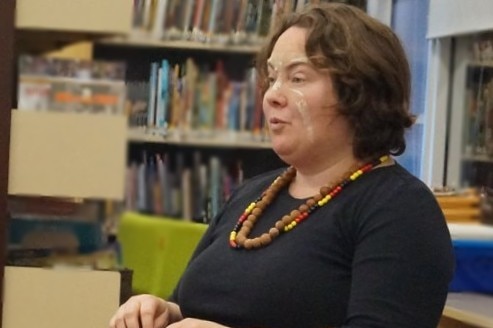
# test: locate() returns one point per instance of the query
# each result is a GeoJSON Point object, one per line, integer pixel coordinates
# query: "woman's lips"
{"type": "Point", "coordinates": [275, 120]}
{"type": "Point", "coordinates": [276, 125]}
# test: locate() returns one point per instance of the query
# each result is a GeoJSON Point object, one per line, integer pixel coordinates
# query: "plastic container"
{"type": "Point", "coordinates": [474, 266]}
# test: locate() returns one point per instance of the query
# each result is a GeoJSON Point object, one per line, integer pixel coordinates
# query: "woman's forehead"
{"type": "Point", "coordinates": [293, 40]}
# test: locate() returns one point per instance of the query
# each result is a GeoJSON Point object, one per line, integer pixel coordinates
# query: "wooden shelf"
{"type": "Point", "coordinates": [181, 45]}
{"type": "Point", "coordinates": [485, 64]}
{"type": "Point", "coordinates": [101, 16]}
{"type": "Point", "coordinates": [215, 140]}
{"type": "Point", "coordinates": [478, 158]}
{"type": "Point", "coordinates": [73, 294]}
{"type": "Point", "coordinates": [67, 155]}
{"type": "Point", "coordinates": [470, 308]}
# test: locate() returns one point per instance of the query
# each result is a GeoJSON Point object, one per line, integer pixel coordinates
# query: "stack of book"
{"type": "Point", "coordinates": [187, 98]}
{"type": "Point", "coordinates": [173, 187]}
{"type": "Point", "coordinates": [216, 21]}
{"type": "Point", "coordinates": [70, 85]}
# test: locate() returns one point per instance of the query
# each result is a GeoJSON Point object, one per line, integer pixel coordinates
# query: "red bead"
{"type": "Point", "coordinates": [232, 243]}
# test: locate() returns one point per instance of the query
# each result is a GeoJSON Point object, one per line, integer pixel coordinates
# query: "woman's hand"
{"type": "Point", "coordinates": [196, 323]}
{"type": "Point", "coordinates": [145, 311]}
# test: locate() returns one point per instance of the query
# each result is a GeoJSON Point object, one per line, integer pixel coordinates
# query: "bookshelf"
{"type": "Point", "coordinates": [477, 123]}
{"type": "Point", "coordinates": [146, 42]}
{"type": "Point", "coordinates": [172, 34]}
{"type": "Point", "coordinates": [50, 24]}
{"type": "Point", "coordinates": [7, 30]}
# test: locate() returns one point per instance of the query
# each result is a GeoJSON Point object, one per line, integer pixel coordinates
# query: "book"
{"type": "Point", "coordinates": [137, 102]}
{"type": "Point", "coordinates": [159, 25]}
{"type": "Point", "coordinates": [163, 95]}
{"type": "Point", "coordinates": [153, 84]}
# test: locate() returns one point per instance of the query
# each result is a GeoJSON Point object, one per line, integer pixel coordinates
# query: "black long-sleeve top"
{"type": "Point", "coordinates": [377, 255]}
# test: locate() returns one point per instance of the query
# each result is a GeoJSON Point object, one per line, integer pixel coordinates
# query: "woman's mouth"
{"type": "Point", "coordinates": [275, 120]}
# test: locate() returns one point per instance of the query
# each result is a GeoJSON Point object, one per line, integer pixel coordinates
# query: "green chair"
{"type": "Point", "coordinates": [157, 249]}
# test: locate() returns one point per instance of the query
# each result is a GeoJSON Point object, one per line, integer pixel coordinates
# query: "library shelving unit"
{"type": "Point", "coordinates": [477, 117]}
{"type": "Point", "coordinates": [139, 49]}
{"type": "Point", "coordinates": [40, 153]}
{"type": "Point", "coordinates": [66, 148]}
{"type": "Point", "coordinates": [6, 87]}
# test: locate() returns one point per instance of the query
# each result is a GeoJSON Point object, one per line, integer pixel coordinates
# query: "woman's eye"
{"type": "Point", "coordinates": [271, 80]}
{"type": "Point", "coordinates": [297, 79]}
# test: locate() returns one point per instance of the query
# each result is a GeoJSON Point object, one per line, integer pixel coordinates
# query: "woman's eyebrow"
{"type": "Point", "coordinates": [292, 63]}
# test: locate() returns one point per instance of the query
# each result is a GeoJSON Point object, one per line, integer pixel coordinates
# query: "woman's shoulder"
{"type": "Point", "coordinates": [393, 183]}
{"type": "Point", "coordinates": [395, 176]}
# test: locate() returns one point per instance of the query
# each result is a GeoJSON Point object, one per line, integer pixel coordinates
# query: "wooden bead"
{"type": "Point", "coordinates": [265, 239]}
{"type": "Point", "coordinates": [241, 240]}
{"type": "Point", "coordinates": [303, 208]}
{"type": "Point", "coordinates": [294, 214]}
{"type": "Point", "coordinates": [317, 197]}
{"type": "Point", "coordinates": [268, 198]}
{"type": "Point", "coordinates": [324, 190]}
{"type": "Point", "coordinates": [310, 202]}
{"type": "Point", "coordinates": [274, 232]}
{"type": "Point", "coordinates": [248, 224]}
{"type": "Point", "coordinates": [262, 204]}
{"type": "Point", "coordinates": [256, 242]}
{"type": "Point", "coordinates": [280, 225]}
{"type": "Point", "coordinates": [245, 231]}
{"type": "Point", "coordinates": [286, 219]}
{"type": "Point", "coordinates": [248, 244]}
{"type": "Point", "coordinates": [252, 218]}
{"type": "Point", "coordinates": [257, 211]}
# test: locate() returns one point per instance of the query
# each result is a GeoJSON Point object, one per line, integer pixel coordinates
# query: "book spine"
{"type": "Point", "coordinates": [187, 19]}
{"type": "Point", "coordinates": [212, 20]}
{"type": "Point", "coordinates": [160, 21]}
{"type": "Point", "coordinates": [161, 113]}
{"type": "Point", "coordinates": [151, 109]}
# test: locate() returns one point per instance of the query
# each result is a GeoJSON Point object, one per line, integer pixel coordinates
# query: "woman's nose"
{"type": "Point", "coordinates": [275, 96]}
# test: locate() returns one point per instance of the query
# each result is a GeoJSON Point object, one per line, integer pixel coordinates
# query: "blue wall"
{"type": "Point", "coordinates": [409, 21]}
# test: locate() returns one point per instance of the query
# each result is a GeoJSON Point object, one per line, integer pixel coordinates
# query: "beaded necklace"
{"type": "Point", "coordinates": [238, 238]}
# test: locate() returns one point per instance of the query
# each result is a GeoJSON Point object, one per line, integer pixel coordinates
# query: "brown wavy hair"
{"type": "Point", "coordinates": [368, 68]}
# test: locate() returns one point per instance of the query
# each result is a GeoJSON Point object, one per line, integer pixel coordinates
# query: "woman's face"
{"type": "Point", "coordinates": [300, 104]}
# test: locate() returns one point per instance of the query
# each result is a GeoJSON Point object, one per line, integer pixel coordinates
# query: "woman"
{"type": "Point", "coordinates": [345, 237]}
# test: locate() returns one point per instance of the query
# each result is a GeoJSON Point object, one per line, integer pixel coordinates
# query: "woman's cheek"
{"type": "Point", "coordinates": [302, 107]}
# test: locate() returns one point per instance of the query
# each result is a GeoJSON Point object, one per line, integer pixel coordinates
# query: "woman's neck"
{"type": "Point", "coordinates": [310, 177]}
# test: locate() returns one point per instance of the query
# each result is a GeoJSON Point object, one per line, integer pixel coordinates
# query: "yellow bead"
{"type": "Point", "coordinates": [384, 158]}
{"type": "Point", "coordinates": [359, 172]}
{"type": "Point", "coordinates": [294, 223]}
{"type": "Point", "coordinates": [320, 203]}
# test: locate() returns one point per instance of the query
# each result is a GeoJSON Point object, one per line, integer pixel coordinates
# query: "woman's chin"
{"type": "Point", "coordinates": [281, 148]}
